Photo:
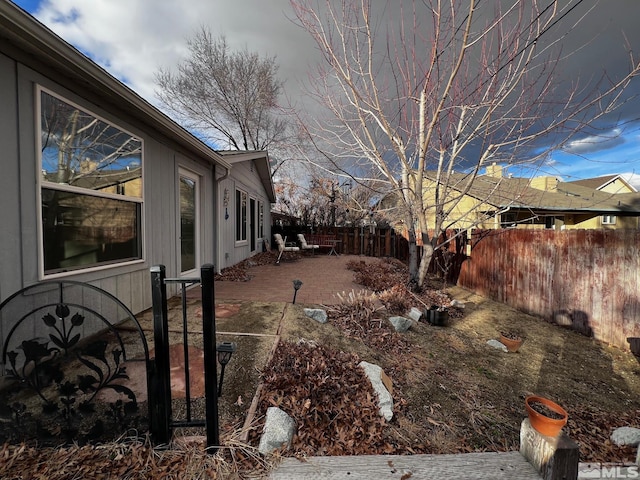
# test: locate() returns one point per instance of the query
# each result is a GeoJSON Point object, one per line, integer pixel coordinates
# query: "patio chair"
{"type": "Point", "coordinates": [283, 247]}
{"type": "Point", "coordinates": [305, 246]}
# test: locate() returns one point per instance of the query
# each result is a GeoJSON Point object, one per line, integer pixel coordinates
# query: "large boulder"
{"type": "Point", "coordinates": [318, 314]}
{"type": "Point", "coordinates": [278, 430]}
{"type": "Point", "coordinates": [401, 324]}
{"type": "Point", "coordinates": [497, 345]}
{"type": "Point", "coordinates": [385, 400]}
{"type": "Point", "coordinates": [415, 314]}
{"type": "Point", "coordinates": [626, 436]}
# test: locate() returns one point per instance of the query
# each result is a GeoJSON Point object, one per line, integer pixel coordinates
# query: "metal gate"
{"type": "Point", "coordinates": [162, 417]}
{"type": "Point", "coordinates": [67, 348]}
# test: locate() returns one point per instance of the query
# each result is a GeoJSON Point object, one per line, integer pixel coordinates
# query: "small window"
{"type": "Point", "coordinates": [508, 220]}
{"type": "Point", "coordinates": [555, 223]}
{"type": "Point", "coordinates": [90, 189]}
{"type": "Point", "coordinates": [241, 216]}
{"type": "Point", "coordinates": [608, 220]}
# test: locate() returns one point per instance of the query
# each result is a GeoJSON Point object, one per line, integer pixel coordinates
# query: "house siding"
{"type": "Point", "coordinates": [19, 192]}
{"type": "Point", "coordinates": [10, 194]}
{"type": "Point", "coordinates": [243, 177]}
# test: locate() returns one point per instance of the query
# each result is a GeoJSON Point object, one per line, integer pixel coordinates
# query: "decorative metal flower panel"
{"type": "Point", "coordinates": [64, 376]}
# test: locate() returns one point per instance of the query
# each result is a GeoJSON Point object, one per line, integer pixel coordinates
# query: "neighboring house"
{"type": "Point", "coordinates": [494, 201]}
{"type": "Point", "coordinates": [610, 184]}
{"type": "Point", "coordinates": [98, 185]}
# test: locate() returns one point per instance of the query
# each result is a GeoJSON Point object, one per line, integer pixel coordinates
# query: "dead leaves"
{"type": "Point", "coordinates": [133, 460]}
{"type": "Point", "coordinates": [591, 428]}
{"type": "Point", "coordinates": [329, 397]}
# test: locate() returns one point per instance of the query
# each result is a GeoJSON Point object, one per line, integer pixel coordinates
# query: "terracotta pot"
{"type": "Point", "coordinates": [512, 345]}
{"type": "Point", "coordinates": [543, 424]}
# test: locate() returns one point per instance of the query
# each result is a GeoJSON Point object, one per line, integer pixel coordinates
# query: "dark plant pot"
{"type": "Point", "coordinates": [542, 423]}
{"type": "Point", "coordinates": [439, 318]}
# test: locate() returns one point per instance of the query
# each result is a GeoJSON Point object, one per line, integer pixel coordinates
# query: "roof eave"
{"type": "Point", "coordinates": [50, 49]}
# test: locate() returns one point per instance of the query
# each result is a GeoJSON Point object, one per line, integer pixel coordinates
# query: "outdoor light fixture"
{"type": "Point", "coordinates": [296, 286]}
{"type": "Point", "coordinates": [225, 350]}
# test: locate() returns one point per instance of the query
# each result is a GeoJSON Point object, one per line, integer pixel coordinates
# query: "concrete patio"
{"type": "Point", "coordinates": [322, 277]}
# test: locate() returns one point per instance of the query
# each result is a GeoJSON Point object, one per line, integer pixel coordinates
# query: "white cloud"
{"type": "Point", "coordinates": [133, 38]}
{"type": "Point", "coordinates": [594, 143]}
{"type": "Point", "coordinates": [633, 179]}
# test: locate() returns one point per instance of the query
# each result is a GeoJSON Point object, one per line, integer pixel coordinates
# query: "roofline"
{"type": "Point", "coordinates": [569, 210]}
{"type": "Point", "coordinates": [621, 178]}
{"type": "Point", "coordinates": [264, 167]}
{"type": "Point", "coordinates": [52, 50]}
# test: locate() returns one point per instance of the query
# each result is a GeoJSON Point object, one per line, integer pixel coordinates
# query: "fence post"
{"type": "Point", "coordinates": [160, 394]}
{"type": "Point", "coordinates": [210, 361]}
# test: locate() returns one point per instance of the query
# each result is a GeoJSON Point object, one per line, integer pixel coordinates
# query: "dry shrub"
{"type": "Point", "coordinates": [357, 317]}
{"type": "Point", "coordinates": [239, 272]}
{"type": "Point", "coordinates": [396, 299]}
{"type": "Point", "coordinates": [378, 275]}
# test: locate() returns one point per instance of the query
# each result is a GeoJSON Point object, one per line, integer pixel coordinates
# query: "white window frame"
{"type": "Point", "coordinates": [193, 176]}
{"type": "Point", "coordinates": [608, 219]}
{"type": "Point", "coordinates": [42, 183]}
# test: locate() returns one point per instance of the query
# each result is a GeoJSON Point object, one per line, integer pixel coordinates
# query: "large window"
{"type": "Point", "coordinates": [91, 189]}
{"type": "Point", "coordinates": [189, 221]}
{"type": "Point", "coordinates": [241, 216]}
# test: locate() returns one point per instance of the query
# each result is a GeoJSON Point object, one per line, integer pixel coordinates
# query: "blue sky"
{"type": "Point", "coordinates": [106, 30]}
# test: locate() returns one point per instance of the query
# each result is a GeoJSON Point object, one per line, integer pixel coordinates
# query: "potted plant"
{"type": "Point", "coordinates": [511, 340]}
{"type": "Point", "coordinates": [545, 416]}
{"type": "Point", "coordinates": [437, 316]}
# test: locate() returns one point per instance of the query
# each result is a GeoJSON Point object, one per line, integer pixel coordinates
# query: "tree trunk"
{"type": "Point", "coordinates": [425, 260]}
{"type": "Point", "coordinates": [413, 262]}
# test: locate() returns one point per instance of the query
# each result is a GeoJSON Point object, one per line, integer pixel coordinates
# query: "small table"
{"type": "Point", "coordinates": [333, 247]}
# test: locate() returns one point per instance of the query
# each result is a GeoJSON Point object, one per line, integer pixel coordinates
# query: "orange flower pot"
{"type": "Point", "coordinates": [512, 344]}
{"type": "Point", "coordinates": [542, 423]}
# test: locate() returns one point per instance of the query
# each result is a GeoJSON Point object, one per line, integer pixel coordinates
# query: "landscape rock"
{"type": "Point", "coordinates": [278, 430]}
{"type": "Point", "coordinates": [626, 436]}
{"type": "Point", "coordinates": [385, 401]}
{"type": "Point", "coordinates": [401, 324]}
{"type": "Point", "coordinates": [496, 344]}
{"type": "Point", "coordinates": [415, 314]}
{"type": "Point", "coordinates": [457, 303]}
{"type": "Point", "coordinates": [318, 314]}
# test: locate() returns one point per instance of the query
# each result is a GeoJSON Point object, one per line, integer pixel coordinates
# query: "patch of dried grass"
{"type": "Point", "coordinates": [133, 459]}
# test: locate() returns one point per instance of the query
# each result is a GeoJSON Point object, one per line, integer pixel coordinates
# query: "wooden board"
{"type": "Point", "coordinates": [495, 466]}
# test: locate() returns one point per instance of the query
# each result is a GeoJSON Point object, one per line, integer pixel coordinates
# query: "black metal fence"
{"type": "Point", "coordinates": [64, 375]}
{"type": "Point", "coordinates": [66, 350]}
{"type": "Point", "coordinates": [163, 418]}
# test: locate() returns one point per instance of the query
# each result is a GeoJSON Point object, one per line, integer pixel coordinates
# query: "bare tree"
{"type": "Point", "coordinates": [229, 97]}
{"type": "Point", "coordinates": [418, 90]}
{"type": "Point", "coordinates": [320, 199]}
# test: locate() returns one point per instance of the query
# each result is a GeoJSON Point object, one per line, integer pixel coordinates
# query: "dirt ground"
{"type": "Point", "coordinates": [452, 392]}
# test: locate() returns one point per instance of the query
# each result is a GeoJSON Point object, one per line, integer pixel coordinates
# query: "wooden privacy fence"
{"type": "Point", "coordinates": [585, 279]}
{"type": "Point", "coordinates": [381, 242]}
